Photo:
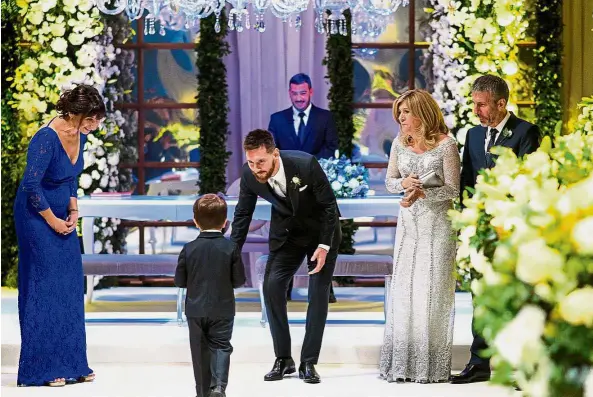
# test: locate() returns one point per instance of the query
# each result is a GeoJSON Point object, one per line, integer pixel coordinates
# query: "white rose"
{"type": "Point", "coordinates": [75, 39]}
{"type": "Point", "coordinates": [537, 262]}
{"type": "Point", "coordinates": [577, 307]}
{"type": "Point", "coordinates": [353, 184]}
{"type": "Point", "coordinates": [520, 338]}
{"type": "Point", "coordinates": [59, 45]}
{"type": "Point", "coordinates": [113, 158]}
{"type": "Point", "coordinates": [582, 236]}
{"type": "Point", "coordinates": [336, 186]}
{"type": "Point", "coordinates": [95, 175]}
{"type": "Point", "coordinates": [98, 246]}
{"type": "Point", "coordinates": [85, 181]}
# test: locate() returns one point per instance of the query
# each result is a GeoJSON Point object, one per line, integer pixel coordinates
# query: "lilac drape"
{"type": "Point", "coordinates": [258, 70]}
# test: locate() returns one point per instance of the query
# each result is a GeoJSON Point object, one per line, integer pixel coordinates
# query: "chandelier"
{"type": "Point", "coordinates": [369, 17]}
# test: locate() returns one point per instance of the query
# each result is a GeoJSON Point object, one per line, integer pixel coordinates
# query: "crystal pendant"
{"type": "Point", "coordinates": [262, 26]}
{"type": "Point", "coordinates": [162, 30]}
{"type": "Point", "coordinates": [298, 22]}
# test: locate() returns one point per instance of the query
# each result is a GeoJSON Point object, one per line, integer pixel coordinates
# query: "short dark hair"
{"type": "Point", "coordinates": [300, 78]}
{"type": "Point", "coordinates": [258, 138]}
{"type": "Point", "coordinates": [82, 100]}
{"type": "Point", "coordinates": [492, 84]}
{"type": "Point", "coordinates": [210, 211]}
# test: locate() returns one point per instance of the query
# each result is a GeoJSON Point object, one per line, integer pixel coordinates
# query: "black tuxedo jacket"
{"type": "Point", "coordinates": [210, 267]}
{"type": "Point", "coordinates": [308, 215]}
{"type": "Point", "coordinates": [320, 138]}
{"type": "Point", "coordinates": [524, 139]}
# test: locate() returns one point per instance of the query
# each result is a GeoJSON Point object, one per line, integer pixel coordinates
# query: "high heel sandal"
{"type": "Point", "coordinates": [89, 378]}
{"type": "Point", "coordinates": [58, 382]}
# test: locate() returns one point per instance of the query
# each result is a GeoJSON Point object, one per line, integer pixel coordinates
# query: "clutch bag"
{"type": "Point", "coordinates": [431, 179]}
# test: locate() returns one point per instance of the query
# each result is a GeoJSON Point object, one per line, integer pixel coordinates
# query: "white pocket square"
{"type": "Point", "coordinates": [303, 188]}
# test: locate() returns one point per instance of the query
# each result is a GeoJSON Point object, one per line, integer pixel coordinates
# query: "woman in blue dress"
{"type": "Point", "coordinates": [50, 277]}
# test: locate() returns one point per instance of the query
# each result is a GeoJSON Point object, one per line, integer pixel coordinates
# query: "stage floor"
{"type": "Point", "coordinates": [138, 350]}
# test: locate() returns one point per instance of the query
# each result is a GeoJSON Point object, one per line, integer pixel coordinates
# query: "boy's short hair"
{"type": "Point", "coordinates": [210, 211]}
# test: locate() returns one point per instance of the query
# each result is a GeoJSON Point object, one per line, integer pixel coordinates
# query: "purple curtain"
{"type": "Point", "coordinates": [258, 70]}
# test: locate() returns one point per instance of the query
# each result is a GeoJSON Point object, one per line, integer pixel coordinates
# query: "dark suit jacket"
{"type": "Point", "coordinates": [311, 215]}
{"type": "Point", "coordinates": [525, 139]}
{"type": "Point", "coordinates": [320, 138]}
{"type": "Point", "coordinates": [210, 267]}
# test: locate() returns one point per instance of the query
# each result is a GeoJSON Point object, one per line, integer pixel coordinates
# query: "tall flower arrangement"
{"type": "Point", "coordinates": [346, 179]}
{"type": "Point", "coordinates": [470, 38]}
{"type": "Point", "coordinates": [525, 237]}
{"type": "Point", "coordinates": [66, 42]}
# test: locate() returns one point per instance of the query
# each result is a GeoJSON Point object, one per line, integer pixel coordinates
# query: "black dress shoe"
{"type": "Point", "coordinates": [308, 373]}
{"type": "Point", "coordinates": [332, 298]}
{"type": "Point", "coordinates": [282, 366]}
{"type": "Point", "coordinates": [471, 374]}
{"type": "Point", "coordinates": [218, 391]}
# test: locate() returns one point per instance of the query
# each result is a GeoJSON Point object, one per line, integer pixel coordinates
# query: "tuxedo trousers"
{"type": "Point", "coordinates": [281, 267]}
{"type": "Point", "coordinates": [210, 345]}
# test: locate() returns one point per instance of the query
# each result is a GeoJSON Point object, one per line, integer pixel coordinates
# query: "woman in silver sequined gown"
{"type": "Point", "coordinates": [421, 308]}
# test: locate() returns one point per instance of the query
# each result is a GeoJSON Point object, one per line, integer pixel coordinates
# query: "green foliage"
{"type": "Point", "coordinates": [340, 72]}
{"type": "Point", "coordinates": [548, 71]}
{"type": "Point", "coordinates": [12, 148]}
{"type": "Point", "coordinates": [212, 104]}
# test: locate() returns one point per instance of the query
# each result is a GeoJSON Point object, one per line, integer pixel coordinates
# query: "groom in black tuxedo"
{"type": "Point", "coordinates": [499, 127]}
{"type": "Point", "coordinates": [305, 224]}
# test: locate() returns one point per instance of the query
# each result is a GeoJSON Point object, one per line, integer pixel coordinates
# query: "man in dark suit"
{"type": "Point", "coordinates": [304, 127]}
{"type": "Point", "coordinates": [304, 224]}
{"type": "Point", "coordinates": [499, 127]}
{"type": "Point", "coordinates": [210, 267]}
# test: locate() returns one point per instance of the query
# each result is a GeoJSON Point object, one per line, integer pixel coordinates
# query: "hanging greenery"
{"type": "Point", "coordinates": [548, 70]}
{"type": "Point", "coordinates": [213, 101]}
{"type": "Point", "coordinates": [12, 148]}
{"type": "Point", "coordinates": [340, 69]}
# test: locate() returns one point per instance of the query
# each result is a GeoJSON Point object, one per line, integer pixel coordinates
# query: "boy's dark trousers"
{"type": "Point", "coordinates": [210, 345]}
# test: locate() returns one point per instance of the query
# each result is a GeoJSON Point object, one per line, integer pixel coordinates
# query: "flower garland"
{"type": "Point", "coordinates": [470, 38]}
{"type": "Point", "coordinates": [68, 43]}
{"type": "Point", "coordinates": [526, 240]}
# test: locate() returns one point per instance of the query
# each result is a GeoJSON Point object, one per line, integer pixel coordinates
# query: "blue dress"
{"type": "Point", "coordinates": [50, 277]}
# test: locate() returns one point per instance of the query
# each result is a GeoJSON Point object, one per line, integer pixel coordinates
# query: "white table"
{"type": "Point", "coordinates": [179, 208]}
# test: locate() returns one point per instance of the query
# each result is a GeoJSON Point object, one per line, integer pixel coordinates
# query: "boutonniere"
{"type": "Point", "coordinates": [296, 182]}
{"type": "Point", "coordinates": [506, 133]}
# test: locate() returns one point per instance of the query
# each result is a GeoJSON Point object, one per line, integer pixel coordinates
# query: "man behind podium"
{"type": "Point", "coordinates": [304, 127]}
{"type": "Point", "coordinates": [210, 267]}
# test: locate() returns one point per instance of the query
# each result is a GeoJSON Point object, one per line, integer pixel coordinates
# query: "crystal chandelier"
{"type": "Point", "coordinates": [369, 17]}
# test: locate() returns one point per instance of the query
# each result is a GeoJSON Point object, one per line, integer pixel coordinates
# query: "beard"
{"type": "Point", "coordinates": [263, 176]}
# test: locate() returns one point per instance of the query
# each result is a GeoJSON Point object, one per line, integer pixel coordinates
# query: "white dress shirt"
{"type": "Point", "coordinates": [297, 120]}
{"type": "Point", "coordinates": [278, 183]}
{"type": "Point", "coordinates": [499, 128]}
{"type": "Point", "coordinates": [212, 231]}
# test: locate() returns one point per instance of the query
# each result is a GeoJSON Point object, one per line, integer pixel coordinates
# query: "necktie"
{"type": "Point", "coordinates": [278, 188]}
{"type": "Point", "coordinates": [301, 132]}
{"type": "Point", "coordinates": [492, 138]}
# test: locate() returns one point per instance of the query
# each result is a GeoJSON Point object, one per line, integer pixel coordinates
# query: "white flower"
{"type": "Point", "coordinates": [59, 45]}
{"type": "Point", "coordinates": [353, 184]}
{"type": "Point", "coordinates": [336, 186]}
{"type": "Point", "coordinates": [520, 339]}
{"type": "Point", "coordinates": [537, 262]}
{"type": "Point", "coordinates": [589, 384]}
{"type": "Point", "coordinates": [85, 181]}
{"type": "Point", "coordinates": [577, 307]}
{"type": "Point", "coordinates": [582, 236]}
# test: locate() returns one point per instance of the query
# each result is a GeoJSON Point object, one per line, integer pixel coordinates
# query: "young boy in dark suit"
{"type": "Point", "coordinates": [210, 267]}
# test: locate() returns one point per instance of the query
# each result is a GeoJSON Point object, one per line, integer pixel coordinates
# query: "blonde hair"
{"type": "Point", "coordinates": [422, 106]}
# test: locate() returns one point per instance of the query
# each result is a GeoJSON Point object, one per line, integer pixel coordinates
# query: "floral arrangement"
{"type": "Point", "coordinates": [525, 244]}
{"type": "Point", "coordinates": [67, 43]}
{"type": "Point", "coordinates": [346, 179]}
{"type": "Point", "coordinates": [470, 38]}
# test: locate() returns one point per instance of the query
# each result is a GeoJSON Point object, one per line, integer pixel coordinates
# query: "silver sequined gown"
{"type": "Point", "coordinates": [421, 308]}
